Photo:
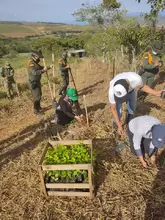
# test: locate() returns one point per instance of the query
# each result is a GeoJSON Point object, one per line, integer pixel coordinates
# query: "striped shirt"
{"type": "Point", "coordinates": [141, 128]}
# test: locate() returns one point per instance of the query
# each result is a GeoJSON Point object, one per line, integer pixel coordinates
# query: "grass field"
{"type": "Point", "coordinates": [31, 29]}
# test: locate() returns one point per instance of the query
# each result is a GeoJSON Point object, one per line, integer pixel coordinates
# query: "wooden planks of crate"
{"type": "Point", "coordinates": [54, 189]}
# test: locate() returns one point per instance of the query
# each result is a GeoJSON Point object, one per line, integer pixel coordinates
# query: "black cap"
{"type": "Point", "coordinates": [120, 89]}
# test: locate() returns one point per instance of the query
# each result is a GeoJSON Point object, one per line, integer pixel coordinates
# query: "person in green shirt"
{"type": "Point", "coordinates": [7, 73]}
{"type": "Point", "coordinates": [151, 65]}
{"type": "Point", "coordinates": [64, 70]}
{"type": "Point", "coordinates": [35, 71]}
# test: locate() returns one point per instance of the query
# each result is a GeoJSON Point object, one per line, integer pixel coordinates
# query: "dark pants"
{"type": "Point", "coordinates": [131, 107]}
{"type": "Point", "coordinates": [36, 93]}
{"type": "Point", "coordinates": [65, 77]}
{"type": "Point", "coordinates": [145, 145]}
{"type": "Point", "coordinates": [63, 119]}
{"type": "Point", "coordinates": [11, 87]}
{"type": "Point", "coordinates": [148, 79]}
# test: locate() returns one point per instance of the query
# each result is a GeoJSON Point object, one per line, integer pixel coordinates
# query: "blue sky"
{"type": "Point", "coordinates": [53, 10]}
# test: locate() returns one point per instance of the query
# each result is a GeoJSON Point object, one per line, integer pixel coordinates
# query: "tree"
{"type": "Point", "coordinates": [103, 15]}
{"type": "Point", "coordinates": [156, 5]}
{"type": "Point", "coordinates": [151, 19]}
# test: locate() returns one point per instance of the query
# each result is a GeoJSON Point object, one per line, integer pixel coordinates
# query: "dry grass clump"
{"type": "Point", "coordinates": [5, 104]}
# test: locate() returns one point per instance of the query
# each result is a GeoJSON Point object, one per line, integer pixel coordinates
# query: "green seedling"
{"type": "Point", "coordinates": [73, 154]}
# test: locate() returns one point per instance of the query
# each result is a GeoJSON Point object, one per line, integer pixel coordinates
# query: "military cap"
{"type": "Point", "coordinates": [158, 46]}
{"type": "Point", "coordinates": [64, 53]}
{"type": "Point", "coordinates": [7, 64]}
{"type": "Point", "coordinates": [38, 53]}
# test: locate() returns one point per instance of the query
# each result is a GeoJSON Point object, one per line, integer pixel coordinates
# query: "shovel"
{"type": "Point", "coordinates": [86, 112]}
{"type": "Point", "coordinates": [121, 145]}
{"type": "Point", "coordinates": [54, 103]}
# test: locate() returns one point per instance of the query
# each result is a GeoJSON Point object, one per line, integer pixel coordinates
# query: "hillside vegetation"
{"type": "Point", "coordinates": [21, 30]}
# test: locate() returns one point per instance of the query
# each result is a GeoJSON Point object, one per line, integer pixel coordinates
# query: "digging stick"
{"type": "Point", "coordinates": [86, 112]}
{"type": "Point", "coordinates": [114, 64]}
{"type": "Point", "coordinates": [54, 85]}
{"type": "Point", "coordinates": [48, 80]}
{"type": "Point", "coordinates": [73, 80]}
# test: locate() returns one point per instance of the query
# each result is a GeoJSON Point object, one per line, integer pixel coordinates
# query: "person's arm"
{"type": "Point", "coordinates": [149, 90]}
{"type": "Point", "coordinates": [12, 72]}
{"type": "Point", "coordinates": [146, 65]}
{"type": "Point", "coordinates": [78, 109]}
{"type": "Point", "coordinates": [144, 164]}
{"type": "Point", "coordinates": [115, 115]}
{"type": "Point", "coordinates": [35, 71]}
{"type": "Point", "coordinates": [64, 109]}
{"type": "Point", "coordinates": [137, 146]}
{"type": "Point", "coordinates": [3, 72]}
{"type": "Point", "coordinates": [62, 67]}
{"type": "Point", "coordinates": [152, 65]}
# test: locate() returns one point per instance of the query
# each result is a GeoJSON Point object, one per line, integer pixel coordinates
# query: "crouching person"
{"type": "Point", "coordinates": [65, 108]}
{"type": "Point", "coordinates": [146, 135]}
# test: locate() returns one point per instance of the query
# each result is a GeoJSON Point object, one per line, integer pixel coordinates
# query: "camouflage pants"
{"type": "Point", "coordinates": [11, 87]}
{"type": "Point", "coordinates": [149, 79]}
{"type": "Point", "coordinates": [36, 93]}
{"type": "Point", "coordinates": [65, 78]}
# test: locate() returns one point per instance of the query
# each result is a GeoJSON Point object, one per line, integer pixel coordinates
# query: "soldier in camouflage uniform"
{"type": "Point", "coordinates": [9, 81]}
{"type": "Point", "coordinates": [151, 65]}
{"type": "Point", "coordinates": [64, 69]}
{"type": "Point", "coordinates": [35, 71]}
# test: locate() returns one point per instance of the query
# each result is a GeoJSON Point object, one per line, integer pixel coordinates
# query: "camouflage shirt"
{"type": "Point", "coordinates": [8, 73]}
{"type": "Point", "coordinates": [62, 65]}
{"type": "Point", "coordinates": [148, 62]}
{"type": "Point", "coordinates": [34, 71]}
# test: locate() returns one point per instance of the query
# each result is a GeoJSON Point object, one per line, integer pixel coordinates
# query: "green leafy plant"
{"type": "Point", "coordinates": [73, 154]}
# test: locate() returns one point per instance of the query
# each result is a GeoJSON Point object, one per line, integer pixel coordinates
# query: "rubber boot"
{"type": "Point", "coordinates": [36, 108]}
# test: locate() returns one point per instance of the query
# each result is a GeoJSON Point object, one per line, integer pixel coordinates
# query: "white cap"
{"type": "Point", "coordinates": [119, 91]}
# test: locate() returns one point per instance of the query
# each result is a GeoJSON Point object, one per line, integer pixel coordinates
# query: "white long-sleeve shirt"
{"type": "Point", "coordinates": [141, 128]}
{"type": "Point", "coordinates": [134, 79]}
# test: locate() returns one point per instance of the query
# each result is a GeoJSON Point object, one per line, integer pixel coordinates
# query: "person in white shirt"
{"type": "Point", "coordinates": [146, 134]}
{"type": "Point", "coordinates": [122, 89]}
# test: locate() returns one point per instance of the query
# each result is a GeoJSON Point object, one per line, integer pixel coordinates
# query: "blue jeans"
{"type": "Point", "coordinates": [131, 105]}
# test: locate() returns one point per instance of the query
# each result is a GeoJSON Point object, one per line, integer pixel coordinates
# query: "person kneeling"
{"type": "Point", "coordinates": [64, 111]}
{"type": "Point", "coordinates": [146, 134]}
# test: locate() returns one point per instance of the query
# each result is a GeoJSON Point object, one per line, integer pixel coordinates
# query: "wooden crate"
{"type": "Point", "coordinates": [48, 187]}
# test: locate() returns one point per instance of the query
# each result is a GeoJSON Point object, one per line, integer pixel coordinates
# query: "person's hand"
{"type": "Point", "coordinates": [78, 118]}
{"type": "Point", "coordinates": [120, 131]}
{"type": "Point", "coordinates": [51, 66]}
{"type": "Point", "coordinates": [153, 160]}
{"type": "Point", "coordinates": [157, 63]}
{"type": "Point", "coordinates": [68, 67]}
{"type": "Point", "coordinates": [158, 93]}
{"type": "Point", "coordinates": [45, 69]}
{"type": "Point", "coordinates": [144, 164]}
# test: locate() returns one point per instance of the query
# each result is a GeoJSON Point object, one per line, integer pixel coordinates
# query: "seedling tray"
{"type": "Point", "coordinates": [67, 189]}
